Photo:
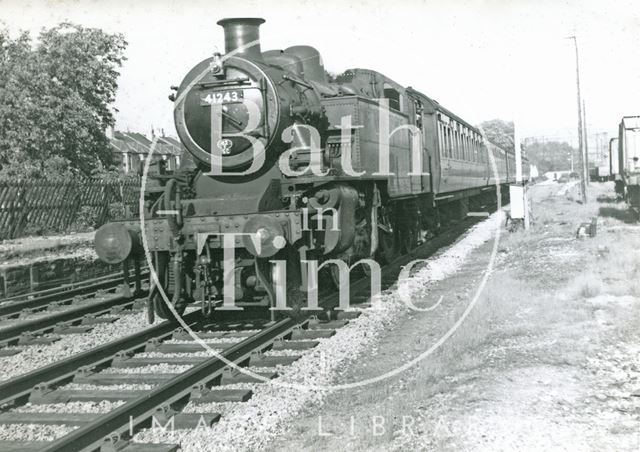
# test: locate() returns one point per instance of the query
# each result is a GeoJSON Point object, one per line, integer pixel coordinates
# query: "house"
{"type": "Point", "coordinates": [133, 149]}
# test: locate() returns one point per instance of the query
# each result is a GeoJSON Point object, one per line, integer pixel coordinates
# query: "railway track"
{"type": "Point", "coordinates": [48, 328]}
{"type": "Point", "coordinates": [123, 362]}
{"type": "Point", "coordinates": [45, 317]}
{"type": "Point", "coordinates": [101, 366]}
{"type": "Point", "coordinates": [33, 302]}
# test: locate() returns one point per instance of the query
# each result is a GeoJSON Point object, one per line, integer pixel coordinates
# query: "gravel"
{"type": "Point", "coordinates": [217, 340]}
{"type": "Point", "coordinates": [223, 408]}
{"type": "Point", "coordinates": [164, 368]}
{"type": "Point", "coordinates": [46, 248]}
{"type": "Point", "coordinates": [285, 352]}
{"type": "Point", "coordinates": [84, 253]}
{"type": "Point", "coordinates": [202, 354]}
{"type": "Point", "coordinates": [103, 406]}
{"type": "Point", "coordinates": [258, 370]}
{"type": "Point", "coordinates": [44, 242]}
{"type": "Point", "coordinates": [33, 432]}
{"type": "Point", "coordinates": [44, 314]}
{"type": "Point", "coordinates": [35, 356]}
{"type": "Point", "coordinates": [251, 386]}
{"type": "Point", "coordinates": [87, 387]}
{"type": "Point", "coordinates": [251, 425]}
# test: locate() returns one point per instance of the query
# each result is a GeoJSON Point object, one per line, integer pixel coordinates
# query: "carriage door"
{"type": "Point", "coordinates": [418, 182]}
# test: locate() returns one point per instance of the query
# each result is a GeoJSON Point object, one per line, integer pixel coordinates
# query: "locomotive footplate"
{"type": "Point", "coordinates": [198, 230]}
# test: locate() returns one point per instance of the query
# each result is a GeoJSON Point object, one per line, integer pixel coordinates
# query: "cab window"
{"type": "Point", "coordinates": [393, 96]}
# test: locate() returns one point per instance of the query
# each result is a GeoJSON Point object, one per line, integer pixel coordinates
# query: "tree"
{"type": "Point", "coordinates": [55, 100]}
{"type": "Point", "coordinates": [500, 133]}
{"type": "Point", "coordinates": [550, 155]}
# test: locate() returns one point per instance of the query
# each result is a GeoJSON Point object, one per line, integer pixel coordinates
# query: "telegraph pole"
{"type": "Point", "coordinates": [583, 186]}
{"type": "Point", "coordinates": [586, 143]}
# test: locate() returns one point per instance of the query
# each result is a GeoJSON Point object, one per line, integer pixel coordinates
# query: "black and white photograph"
{"type": "Point", "coordinates": [319, 226]}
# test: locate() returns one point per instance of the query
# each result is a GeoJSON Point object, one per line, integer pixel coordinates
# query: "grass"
{"type": "Point", "coordinates": [544, 311]}
{"type": "Point", "coordinates": [587, 285]}
{"type": "Point", "coordinates": [516, 315]}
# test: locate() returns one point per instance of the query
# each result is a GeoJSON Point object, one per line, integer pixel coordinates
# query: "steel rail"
{"type": "Point", "coordinates": [35, 300]}
{"type": "Point", "coordinates": [92, 435]}
{"type": "Point", "coordinates": [45, 323]}
{"type": "Point", "coordinates": [61, 288]}
{"type": "Point", "coordinates": [20, 386]}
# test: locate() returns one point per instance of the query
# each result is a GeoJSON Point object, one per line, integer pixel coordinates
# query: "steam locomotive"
{"type": "Point", "coordinates": [288, 168]}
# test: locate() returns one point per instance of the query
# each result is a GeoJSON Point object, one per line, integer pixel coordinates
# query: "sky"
{"type": "Point", "coordinates": [481, 59]}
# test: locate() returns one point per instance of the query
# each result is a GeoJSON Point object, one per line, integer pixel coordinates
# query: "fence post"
{"type": "Point", "coordinates": [21, 215]}
{"type": "Point", "coordinates": [107, 193]}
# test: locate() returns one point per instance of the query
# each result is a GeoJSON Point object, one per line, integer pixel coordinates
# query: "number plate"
{"type": "Point", "coordinates": [222, 97]}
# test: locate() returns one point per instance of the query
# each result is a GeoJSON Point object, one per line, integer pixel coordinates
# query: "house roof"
{"type": "Point", "coordinates": [136, 143]}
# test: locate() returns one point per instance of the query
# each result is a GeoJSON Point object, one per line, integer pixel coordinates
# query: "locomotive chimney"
{"type": "Point", "coordinates": [239, 32]}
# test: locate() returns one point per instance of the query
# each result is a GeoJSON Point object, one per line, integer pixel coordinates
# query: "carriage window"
{"type": "Point", "coordinates": [445, 150]}
{"type": "Point", "coordinates": [463, 148]}
{"type": "Point", "coordinates": [447, 147]}
{"type": "Point", "coordinates": [466, 148]}
{"type": "Point", "coordinates": [456, 151]}
{"type": "Point", "coordinates": [393, 95]}
{"type": "Point", "coordinates": [444, 140]}
{"type": "Point", "coordinates": [454, 137]}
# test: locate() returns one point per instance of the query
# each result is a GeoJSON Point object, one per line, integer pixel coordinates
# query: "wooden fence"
{"type": "Point", "coordinates": [41, 207]}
